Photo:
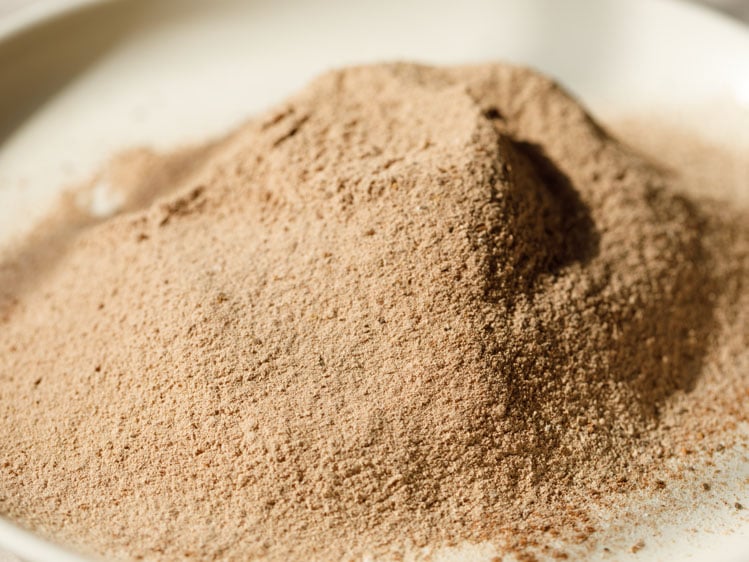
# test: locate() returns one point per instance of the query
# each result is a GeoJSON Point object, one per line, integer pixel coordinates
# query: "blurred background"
{"type": "Point", "coordinates": [736, 8]}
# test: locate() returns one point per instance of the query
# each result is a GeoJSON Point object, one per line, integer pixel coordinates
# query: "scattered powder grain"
{"type": "Point", "coordinates": [409, 306]}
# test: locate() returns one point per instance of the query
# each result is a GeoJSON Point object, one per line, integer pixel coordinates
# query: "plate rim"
{"type": "Point", "coordinates": [37, 12]}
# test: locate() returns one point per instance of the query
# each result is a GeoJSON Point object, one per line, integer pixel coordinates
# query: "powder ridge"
{"type": "Point", "coordinates": [409, 306]}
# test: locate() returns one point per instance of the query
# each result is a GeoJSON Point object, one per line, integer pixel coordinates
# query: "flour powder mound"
{"type": "Point", "coordinates": [407, 307]}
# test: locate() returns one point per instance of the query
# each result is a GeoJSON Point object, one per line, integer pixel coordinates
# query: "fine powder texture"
{"type": "Point", "coordinates": [408, 307]}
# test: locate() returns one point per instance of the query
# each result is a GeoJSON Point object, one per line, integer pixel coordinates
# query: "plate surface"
{"type": "Point", "coordinates": [83, 84]}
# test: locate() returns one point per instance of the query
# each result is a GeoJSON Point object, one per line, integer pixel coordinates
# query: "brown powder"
{"type": "Point", "coordinates": [409, 307]}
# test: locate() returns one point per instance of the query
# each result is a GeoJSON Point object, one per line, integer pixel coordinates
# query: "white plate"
{"type": "Point", "coordinates": [83, 84]}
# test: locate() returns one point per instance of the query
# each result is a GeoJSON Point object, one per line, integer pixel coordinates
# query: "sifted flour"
{"type": "Point", "coordinates": [408, 307]}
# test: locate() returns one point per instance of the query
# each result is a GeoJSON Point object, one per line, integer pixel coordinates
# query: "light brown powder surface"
{"type": "Point", "coordinates": [409, 306]}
